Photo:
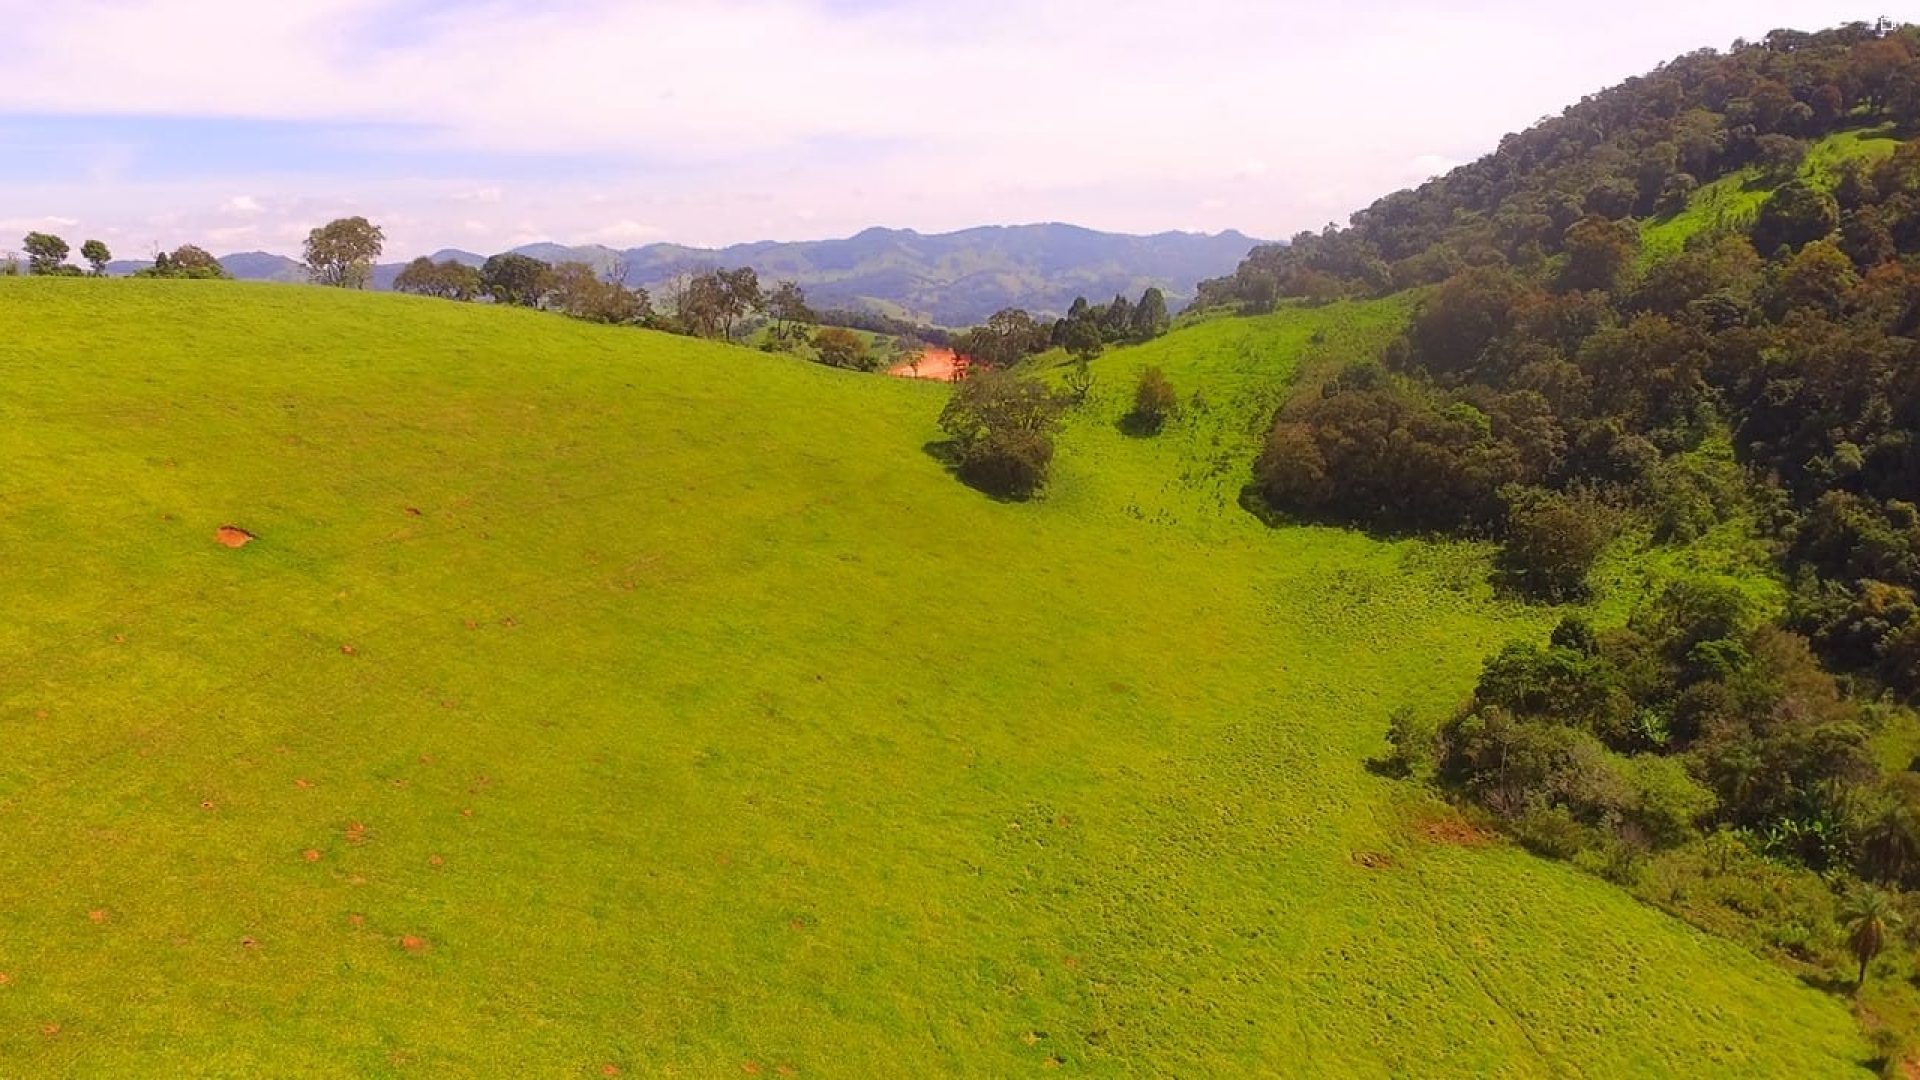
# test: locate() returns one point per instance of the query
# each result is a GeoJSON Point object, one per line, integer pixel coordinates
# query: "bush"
{"type": "Point", "coordinates": [1002, 426]}
{"type": "Point", "coordinates": [1154, 401]}
{"type": "Point", "coordinates": [1553, 540]}
{"type": "Point", "coordinates": [1412, 742]}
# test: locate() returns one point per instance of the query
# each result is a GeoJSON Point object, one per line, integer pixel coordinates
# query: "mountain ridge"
{"type": "Point", "coordinates": [954, 278]}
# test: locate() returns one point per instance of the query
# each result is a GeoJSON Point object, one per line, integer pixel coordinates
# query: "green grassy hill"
{"type": "Point", "coordinates": [593, 702]}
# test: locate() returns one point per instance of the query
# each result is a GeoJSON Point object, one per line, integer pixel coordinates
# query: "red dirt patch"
{"type": "Point", "coordinates": [356, 833]}
{"type": "Point", "coordinates": [435, 860]}
{"type": "Point", "coordinates": [413, 943]}
{"type": "Point", "coordinates": [303, 784]}
{"type": "Point", "coordinates": [751, 1068]}
{"type": "Point", "coordinates": [49, 1029]}
{"type": "Point", "coordinates": [1453, 830]}
{"type": "Point", "coordinates": [233, 536]}
{"type": "Point", "coordinates": [5, 979]}
{"type": "Point", "coordinates": [97, 916]}
{"type": "Point", "coordinates": [938, 365]}
{"type": "Point", "coordinates": [206, 804]}
{"type": "Point", "coordinates": [358, 920]}
{"type": "Point", "coordinates": [310, 855]}
{"type": "Point", "coordinates": [609, 1070]}
{"type": "Point", "coordinates": [347, 650]}
{"type": "Point", "coordinates": [413, 511]}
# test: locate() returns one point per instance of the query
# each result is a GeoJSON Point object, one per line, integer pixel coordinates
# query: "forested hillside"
{"type": "Point", "coordinates": [1684, 309]}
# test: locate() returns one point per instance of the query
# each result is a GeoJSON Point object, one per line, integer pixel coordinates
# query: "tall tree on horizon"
{"type": "Point", "coordinates": [341, 253]}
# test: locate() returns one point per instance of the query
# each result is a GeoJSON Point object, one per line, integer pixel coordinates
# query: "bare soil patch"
{"type": "Point", "coordinates": [937, 365]}
{"type": "Point", "coordinates": [233, 536]}
{"type": "Point", "coordinates": [1454, 830]}
{"type": "Point", "coordinates": [413, 943]}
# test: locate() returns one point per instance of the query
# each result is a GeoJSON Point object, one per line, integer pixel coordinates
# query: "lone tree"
{"type": "Point", "coordinates": [512, 278]}
{"type": "Point", "coordinates": [46, 253]}
{"type": "Point", "coordinates": [1002, 426]}
{"type": "Point", "coordinates": [448, 280]}
{"type": "Point", "coordinates": [342, 253]}
{"type": "Point", "coordinates": [1154, 401]}
{"type": "Point", "coordinates": [97, 256]}
{"type": "Point", "coordinates": [842, 348]}
{"type": "Point", "coordinates": [1868, 917]}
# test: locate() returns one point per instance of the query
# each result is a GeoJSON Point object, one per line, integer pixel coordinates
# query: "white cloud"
{"type": "Point", "coordinates": [242, 204]}
{"type": "Point", "coordinates": [1267, 115]}
{"type": "Point", "coordinates": [626, 232]}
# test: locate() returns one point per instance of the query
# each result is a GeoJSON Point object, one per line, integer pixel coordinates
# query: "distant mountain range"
{"type": "Point", "coordinates": [950, 279]}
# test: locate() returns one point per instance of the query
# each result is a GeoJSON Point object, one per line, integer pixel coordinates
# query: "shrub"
{"type": "Point", "coordinates": [1002, 426]}
{"type": "Point", "coordinates": [1154, 401]}
{"type": "Point", "coordinates": [1553, 540]}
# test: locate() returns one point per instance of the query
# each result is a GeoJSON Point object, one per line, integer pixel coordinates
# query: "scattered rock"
{"type": "Point", "coordinates": [1373, 860]}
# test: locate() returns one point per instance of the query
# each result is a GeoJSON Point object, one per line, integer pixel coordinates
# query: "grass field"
{"type": "Point", "coordinates": [594, 702]}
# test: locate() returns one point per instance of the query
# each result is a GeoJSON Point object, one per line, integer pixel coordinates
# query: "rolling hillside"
{"type": "Point", "coordinates": [593, 702]}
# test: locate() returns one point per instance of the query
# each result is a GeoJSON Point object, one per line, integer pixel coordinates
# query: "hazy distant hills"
{"type": "Point", "coordinates": [950, 279]}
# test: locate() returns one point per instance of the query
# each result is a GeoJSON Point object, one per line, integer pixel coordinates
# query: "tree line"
{"type": "Point", "coordinates": [1558, 381]}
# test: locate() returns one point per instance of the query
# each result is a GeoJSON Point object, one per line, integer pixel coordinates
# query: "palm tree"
{"type": "Point", "coordinates": [1868, 917]}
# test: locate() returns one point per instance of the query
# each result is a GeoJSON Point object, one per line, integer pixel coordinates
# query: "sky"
{"type": "Point", "coordinates": [484, 124]}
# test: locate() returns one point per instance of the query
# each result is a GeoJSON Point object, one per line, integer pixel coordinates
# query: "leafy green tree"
{"type": "Point", "coordinates": [341, 253]}
{"type": "Point", "coordinates": [513, 278]}
{"type": "Point", "coordinates": [1002, 427]}
{"type": "Point", "coordinates": [1553, 540]}
{"type": "Point", "coordinates": [1868, 919]}
{"type": "Point", "coordinates": [842, 348]}
{"type": "Point", "coordinates": [1150, 318]}
{"type": "Point", "coordinates": [97, 257]}
{"type": "Point", "coordinates": [1154, 401]}
{"type": "Point", "coordinates": [1599, 253]}
{"type": "Point", "coordinates": [1083, 339]}
{"type": "Point", "coordinates": [46, 253]}
{"type": "Point", "coordinates": [1796, 215]}
{"type": "Point", "coordinates": [787, 305]}
{"type": "Point", "coordinates": [448, 279]}
{"type": "Point", "coordinates": [740, 296]}
{"type": "Point", "coordinates": [1116, 320]}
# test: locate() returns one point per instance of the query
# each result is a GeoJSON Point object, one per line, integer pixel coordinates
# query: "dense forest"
{"type": "Point", "coordinates": [1558, 366]}
{"type": "Point", "coordinates": [1689, 300]}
